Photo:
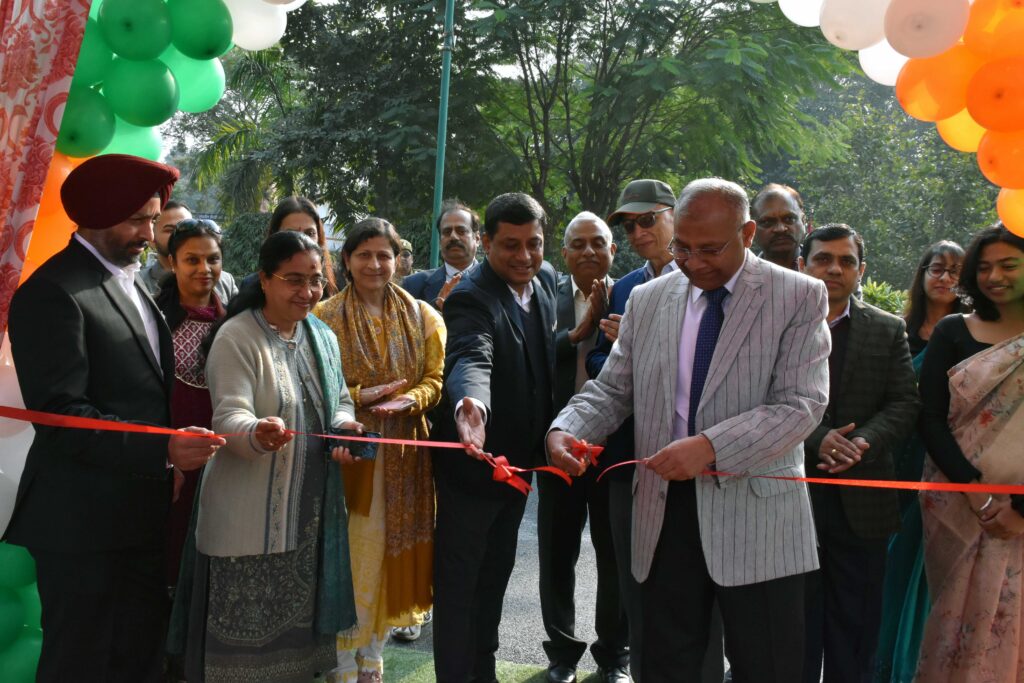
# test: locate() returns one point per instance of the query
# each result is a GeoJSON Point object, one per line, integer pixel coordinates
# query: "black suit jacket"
{"type": "Point", "coordinates": [879, 395]}
{"type": "Point", "coordinates": [426, 284]}
{"type": "Point", "coordinates": [80, 348]}
{"type": "Point", "coordinates": [486, 359]}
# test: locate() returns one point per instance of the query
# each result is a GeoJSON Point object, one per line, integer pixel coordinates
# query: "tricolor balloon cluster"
{"type": "Point", "coordinates": [141, 61]}
{"type": "Point", "coordinates": [953, 62]}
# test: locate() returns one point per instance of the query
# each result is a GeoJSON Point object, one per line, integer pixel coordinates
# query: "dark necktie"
{"type": "Point", "coordinates": [707, 337]}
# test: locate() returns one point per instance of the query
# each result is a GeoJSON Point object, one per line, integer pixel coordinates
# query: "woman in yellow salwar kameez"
{"type": "Point", "coordinates": [392, 350]}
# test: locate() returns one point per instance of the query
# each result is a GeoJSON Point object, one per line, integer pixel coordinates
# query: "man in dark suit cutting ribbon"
{"type": "Point", "coordinates": [92, 506]}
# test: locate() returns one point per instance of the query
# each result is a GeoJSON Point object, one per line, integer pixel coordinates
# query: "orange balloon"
{"type": "Point", "coordinates": [52, 228]}
{"type": "Point", "coordinates": [1001, 158]}
{"type": "Point", "coordinates": [995, 95]}
{"type": "Point", "coordinates": [961, 132]}
{"type": "Point", "coordinates": [1010, 205]}
{"type": "Point", "coordinates": [995, 28]}
{"type": "Point", "coordinates": [935, 88]}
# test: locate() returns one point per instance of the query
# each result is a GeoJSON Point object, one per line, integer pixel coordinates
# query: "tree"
{"type": "Point", "coordinates": [602, 91]}
{"type": "Point", "coordinates": [898, 183]}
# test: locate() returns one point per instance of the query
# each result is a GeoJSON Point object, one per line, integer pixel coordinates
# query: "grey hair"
{"type": "Point", "coordinates": [586, 217]}
{"type": "Point", "coordinates": [730, 192]}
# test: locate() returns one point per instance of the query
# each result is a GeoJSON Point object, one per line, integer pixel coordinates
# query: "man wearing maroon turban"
{"type": "Point", "coordinates": [92, 505]}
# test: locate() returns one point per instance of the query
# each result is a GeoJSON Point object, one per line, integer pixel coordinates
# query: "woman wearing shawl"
{"type": "Point", "coordinates": [972, 388]}
{"type": "Point", "coordinates": [272, 581]}
{"type": "Point", "coordinates": [392, 349]}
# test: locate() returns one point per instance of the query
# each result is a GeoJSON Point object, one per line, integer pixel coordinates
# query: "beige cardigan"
{"type": "Point", "coordinates": [247, 492]}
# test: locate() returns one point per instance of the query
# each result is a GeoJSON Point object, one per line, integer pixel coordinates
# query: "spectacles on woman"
{"type": "Point", "coordinates": [644, 220]}
{"type": "Point", "coordinates": [297, 282]}
{"type": "Point", "coordinates": [936, 270]}
{"type": "Point", "coordinates": [195, 224]}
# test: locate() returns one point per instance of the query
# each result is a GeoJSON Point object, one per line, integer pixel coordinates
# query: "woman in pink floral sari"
{"type": "Point", "coordinates": [972, 386]}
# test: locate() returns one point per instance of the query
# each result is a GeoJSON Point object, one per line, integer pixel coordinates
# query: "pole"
{"type": "Point", "coordinates": [442, 128]}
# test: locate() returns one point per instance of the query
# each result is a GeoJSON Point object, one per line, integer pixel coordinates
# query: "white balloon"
{"type": "Point", "coordinates": [853, 24]}
{"type": "Point", "coordinates": [10, 391]}
{"type": "Point", "coordinates": [881, 63]}
{"type": "Point", "coordinates": [762, 2]}
{"type": "Point", "coordinates": [925, 28]}
{"type": "Point", "coordinates": [8, 491]}
{"type": "Point", "coordinates": [258, 25]}
{"type": "Point", "coordinates": [289, 5]}
{"type": "Point", "coordinates": [802, 12]}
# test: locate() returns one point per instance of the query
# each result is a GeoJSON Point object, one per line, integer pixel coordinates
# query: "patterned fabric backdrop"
{"type": "Point", "coordinates": [39, 44]}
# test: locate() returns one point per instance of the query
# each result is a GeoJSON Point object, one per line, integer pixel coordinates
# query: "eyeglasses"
{"type": "Point", "coordinates": [936, 270]}
{"type": "Point", "coordinates": [704, 252]}
{"type": "Point", "coordinates": [196, 225]}
{"type": "Point", "coordinates": [644, 220]}
{"type": "Point", "coordinates": [297, 282]}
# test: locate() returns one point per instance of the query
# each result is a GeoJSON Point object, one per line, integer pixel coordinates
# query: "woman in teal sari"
{"type": "Point", "coordinates": [905, 598]}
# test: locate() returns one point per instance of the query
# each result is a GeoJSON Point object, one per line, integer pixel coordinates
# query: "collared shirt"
{"type": "Point", "coordinates": [668, 268]}
{"type": "Point", "coordinates": [695, 307]}
{"type": "Point", "coordinates": [524, 299]}
{"type": "Point", "coordinates": [844, 314]}
{"type": "Point", "coordinates": [125, 278]}
{"type": "Point", "coordinates": [451, 271]}
{"type": "Point", "coordinates": [580, 304]}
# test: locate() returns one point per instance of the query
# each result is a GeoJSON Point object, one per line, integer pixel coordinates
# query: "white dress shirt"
{"type": "Point", "coordinates": [580, 304]}
{"type": "Point", "coordinates": [451, 271]}
{"type": "Point", "coordinates": [125, 278]}
{"type": "Point", "coordinates": [695, 307]}
{"type": "Point", "coordinates": [666, 269]}
{"type": "Point", "coordinates": [844, 314]}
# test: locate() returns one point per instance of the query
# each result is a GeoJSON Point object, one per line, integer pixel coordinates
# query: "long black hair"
{"type": "Point", "coordinates": [168, 300]}
{"type": "Point", "coordinates": [297, 204]}
{"type": "Point", "coordinates": [917, 304]}
{"type": "Point", "coordinates": [274, 251]}
{"type": "Point", "coordinates": [983, 306]}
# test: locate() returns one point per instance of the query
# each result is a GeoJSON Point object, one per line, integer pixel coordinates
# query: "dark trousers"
{"type": "Point", "coordinates": [620, 513]}
{"type": "Point", "coordinates": [561, 516]}
{"type": "Point", "coordinates": [763, 622]}
{"type": "Point", "coordinates": [844, 597]}
{"type": "Point", "coordinates": [104, 616]}
{"type": "Point", "coordinates": [474, 553]}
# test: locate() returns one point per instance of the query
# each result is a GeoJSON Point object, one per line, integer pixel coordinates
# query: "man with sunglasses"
{"type": "Point", "coordinates": [159, 265]}
{"type": "Point", "coordinates": [778, 212]}
{"type": "Point", "coordinates": [724, 368]}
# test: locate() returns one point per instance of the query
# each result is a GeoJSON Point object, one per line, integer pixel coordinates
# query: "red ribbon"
{"type": "Point", "coordinates": [581, 449]}
{"type": "Point", "coordinates": [1006, 489]}
{"type": "Point", "coordinates": [503, 472]}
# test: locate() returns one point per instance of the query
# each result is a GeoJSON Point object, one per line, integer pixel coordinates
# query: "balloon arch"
{"type": "Point", "coordinates": [952, 62]}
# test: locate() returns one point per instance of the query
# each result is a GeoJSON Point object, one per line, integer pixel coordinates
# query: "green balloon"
{"type": "Point", "coordinates": [200, 29]}
{"type": "Point", "coordinates": [140, 142]}
{"type": "Point", "coordinates": [142, 93]}
{"type": "Point", "coordinates": [19, 662]}
{"type": "Point", "coordinates": [94, 58]}
{"type": "Point", "coordinates": [29, 596]}
{"type": "Point", "coordinates": [201, 81]}
{"type": "Point", "coordinates": [136, 29]}
{"type": "Point", "coordinates": [87, 127]}
{"type": "Point", "coordinates": [12, 617]}
{"type": "Point", "coordinates": [17, 568]}
{"type": "Point", "coordinates": [94, 9]}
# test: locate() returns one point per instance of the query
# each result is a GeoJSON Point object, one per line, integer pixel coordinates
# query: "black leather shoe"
{"type": "Point", "coordinates": [561, 674]}
{"type": "Point", "coordinates": [616, 674]}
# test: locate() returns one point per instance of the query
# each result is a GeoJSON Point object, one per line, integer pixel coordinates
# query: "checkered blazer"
{"type": "Point", "coordinates": [878, 394]}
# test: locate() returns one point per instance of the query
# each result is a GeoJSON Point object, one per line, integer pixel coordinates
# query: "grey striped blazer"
{"type": "Point", "coordinates": [766, 391]}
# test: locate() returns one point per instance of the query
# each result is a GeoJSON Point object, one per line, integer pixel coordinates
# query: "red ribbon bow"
{"type": "Point", "coordinates": [581, 449]}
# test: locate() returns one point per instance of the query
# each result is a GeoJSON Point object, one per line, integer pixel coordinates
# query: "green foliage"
{"type": "Point", "coordinates": [242, 240]}
{"type": "Point", "coordinates": [884, 296]}
{"type": "Point", "coordinates": [897, 183]}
